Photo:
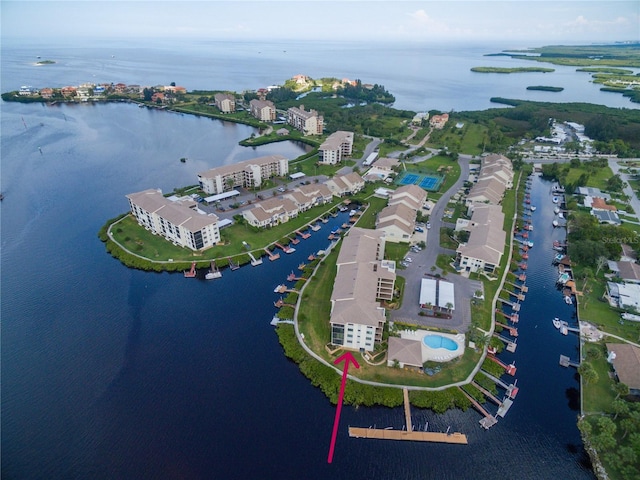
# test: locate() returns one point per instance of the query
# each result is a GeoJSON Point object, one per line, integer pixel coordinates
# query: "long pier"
{"type": "Point", "coordinates": [515, 306]}
{"type": "Point", "coordinates": [409, 433]}
{"type": "Point", "coordinates": [522, 288]}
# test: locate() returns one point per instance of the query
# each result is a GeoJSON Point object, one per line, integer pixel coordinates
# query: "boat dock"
{"type": "Point", "coordinates": [519, 296]}
{"type": "Point", "coordinates": [233, 266]}
{"type": "Point", "coordinates": [272, 256]}
{"type": "Point", "coordinates": [566, 362]}
{"type": "Point", "coordinates": [509, 369]}
{"type": "Point", "coordinates": [408, 434]}
{"type": "Point", "coordinates": [285, 249]}
{"type": "Point", "coordinates": [511, 344]}
{"type": "Point", "coordinates": [515, 306]}
{"type": "Point", "coordinates": [303, 235]}
{"type": "Point", "coordinates": [255, 261]}
{"type": "Point", "coordinates": [511, 389]}
{"type": "Point", "coordinates": [488, 420]}
{"type": "Point", "coordinates": [192, 272]}
{"type": "Point", "coordinates": [522, 288]}
{"type": "Point", "coordinates": [487, 393]}
{"type": "Point", "coordinates": [513, 331]}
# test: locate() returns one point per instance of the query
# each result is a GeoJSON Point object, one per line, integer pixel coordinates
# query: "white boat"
{"type": "Point", "coordinates": [556, 210]}
{"type": "Point", "coordinates": [568, 300]}
{"type": "Point", "coordinates": [556, 322]}
{"type": "Point", "coordinates": [555, 199]}
{"type": "Point", "coordinates": [213, 272]}
{"type": "Point", "coordinates": [555, 223]}
{"type": "Point", "coordinates": [560, 215]}
{"type": "Point", "coordinates": [315, 227]}
{"type": "Point", "coordinates": [532, 208]}
{"type": "Point", "coordinates": [529, 244]}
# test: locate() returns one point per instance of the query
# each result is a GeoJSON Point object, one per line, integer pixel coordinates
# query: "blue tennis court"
{"type": "Point", "coordinates": [431, 182]}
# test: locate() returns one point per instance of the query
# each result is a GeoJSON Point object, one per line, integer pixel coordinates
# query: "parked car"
{"type": "Point", "coordinates": [408, 259]}
{"type": "Point", "coordinates": [428, 225]}
{"type": "Point", "coordinates": [419, 229]}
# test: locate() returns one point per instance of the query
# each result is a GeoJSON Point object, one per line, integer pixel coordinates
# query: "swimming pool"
{"type": "Point", "coordinates": [438, 341]}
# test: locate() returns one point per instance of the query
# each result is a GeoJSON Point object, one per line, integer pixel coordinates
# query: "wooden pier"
{"type": "Point", "coordinates": [509, 369]}
{"type": "Point", "coordinates": [515, 306]}
{"type": "Point", "coordinates": [519, 296]}
{"type": "Point", "coordinates": [272, 256]}
{"type": "Point", "coordinates": [513, 331]}
{"type": "Point", "coordinates": [522, 288]}
{"type": "Point", "coordinates": [488, 420]}
{"type": "Point", "coordinates": [303, 235]}
{"type": "Point", "coordinates": [389, 434]}
{"type": "Point", "coordinates": [487, 393]}
{"type": "Point", "coordinates": [408, 434]}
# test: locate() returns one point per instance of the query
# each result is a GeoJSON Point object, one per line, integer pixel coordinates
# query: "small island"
{"type": "Point", "coordinates": [545, 88]}
{"type": "Point", "coordinates": [511, 70]}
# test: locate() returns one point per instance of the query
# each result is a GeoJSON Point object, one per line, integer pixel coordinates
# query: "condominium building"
{"type": "Point", "coordinates": [306, 121]}
{"type": "Point", "coordinates": [247, 174]}
{"type": "Point", "coordinates": [177, 220]}
{"type": "Point", "coordinates": [271, 212]}
{"type": "Point", "coordinates": [225, 102]}
{"type": "Point", "coordinates": [337, 146]}
{"type": "Point", "coordinates": [263, 110]}
{"type": "Point", "coordinates": [345, 184]}
{"type": "Point", "coordinates": [485, 247]}
{"type": "Point", "coordinates": [363, 277]}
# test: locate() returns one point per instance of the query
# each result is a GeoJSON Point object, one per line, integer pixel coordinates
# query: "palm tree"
{"type": "Point", "coordinates": [600, 263]}
{"type": "Point", "coordinates": [620, 389]}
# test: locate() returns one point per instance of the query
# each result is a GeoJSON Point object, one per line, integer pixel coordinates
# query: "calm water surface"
{"type": "Point", "coordinates": [113, 373]}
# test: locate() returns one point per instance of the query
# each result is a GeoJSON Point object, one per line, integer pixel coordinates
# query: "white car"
{"type": "Point", "coordinates": [408, 259]}
{"type": "Point", "coordinates": [428, 225]}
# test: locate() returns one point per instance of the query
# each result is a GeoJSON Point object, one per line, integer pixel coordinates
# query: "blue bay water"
{"type": "Point", "coordinates": [114, 373]}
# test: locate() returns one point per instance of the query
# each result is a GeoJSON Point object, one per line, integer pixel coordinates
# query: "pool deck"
{"type": "Point", "coordinates": [436, 354]}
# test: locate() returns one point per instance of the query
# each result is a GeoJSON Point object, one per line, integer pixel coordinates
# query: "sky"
{"type": "Point", "coordinates": [533, 22]}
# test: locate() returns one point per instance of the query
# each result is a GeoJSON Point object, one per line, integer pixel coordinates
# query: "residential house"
{"type": "Point", "coordinates": [362, 279]}
{"type": "Point", "coordinates": [120, 88]}
{"type": "Point", "coordinates": [68, 91]}
{"type": "Point", "coordinates": [271, 212]}
{"type": "Point", "coordinates": [225, 102]}
{"type": "Point", "coordinates": [306, 121]}
{"type": "Point", "coordinates": [345, 184]}
{"type": "Point", "coordinates": [623, 295]}
{"type": "Point", "coordinates": [46, 92]}
{"type": "Point", "coordinates": [263, 110]}
{"type": "Point", "coordinates": [439, 121]}
{"type": "Point", "coordinates": [625, 359]}
{"type": "Point", "coordinates": [629, 272]}
{"type": "Point", "coordinates": [177, 220]}
{"type": "Point", "coordinates": [606, 216]}
{"type": "Point", "coordinates": [27, 90]}
{"type": "Point", "coordinates": [247, 174]}
{"type": "Point", "coordinates": [336, 147]}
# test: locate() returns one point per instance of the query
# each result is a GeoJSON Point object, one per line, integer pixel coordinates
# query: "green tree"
{"type": "Point", "coordinates": [587, 372]}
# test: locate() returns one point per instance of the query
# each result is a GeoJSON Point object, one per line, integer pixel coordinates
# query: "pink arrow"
{"type": "Point", "coordinates": [348, 358]}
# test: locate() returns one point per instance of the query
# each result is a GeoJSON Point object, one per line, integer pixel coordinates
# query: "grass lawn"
{"type": "Point", "coordinates": [597, 177]}
{"type": "Point", "coordinates": [470, 138]}
{"type": "Point", "coordinates": [598, 396]}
